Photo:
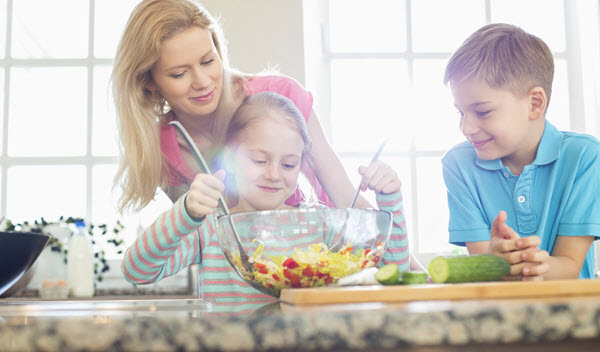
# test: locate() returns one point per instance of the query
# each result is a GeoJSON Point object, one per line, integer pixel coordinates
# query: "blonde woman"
{"type": "Point", "coordinates": [171, 64]}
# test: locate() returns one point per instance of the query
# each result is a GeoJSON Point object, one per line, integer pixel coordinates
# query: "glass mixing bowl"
{"type": "Point", "coordinates": [304, 247]}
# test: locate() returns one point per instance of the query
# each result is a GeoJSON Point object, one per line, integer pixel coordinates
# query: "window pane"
{"type": "Point", "coordinates": [369, 103]}
{"type": "Point", "coordinates": [433, 206]}
{"type": "Point", "coordinates": [558, 110]}
{"type": "Point", "coordinates": [550, 26]}
{"type": "Point", "coordinates": [3, 12]}
{"type": "Point", "coordinates": [52, 121]}
{"type": "Point", "coordinates": [40, 30]}
{"type": "Point", "coordinates": [48, 191]}
{"type": "Point", "coordinates": [104, 128]}
{"type": "Point", "coordinates": [436, 120]}
{"type": "Point", "coordinates": [104, 199]}
{"type": "Point", "coordinates": [378, 27]}
{"type": "Point", "coordinates": [441, 26]}
{"type": "Point", "coordinates": [104, 208]}
{"type": "Point", "coordinates": [111, 17]}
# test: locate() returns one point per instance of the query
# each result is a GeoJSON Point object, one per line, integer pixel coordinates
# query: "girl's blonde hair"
{"type": "Point", "coordinates": [140, 111]}
{"type": "Point", "coordinates": [504, 56]}
{"type": "Point", "coordinates": [260, 106]}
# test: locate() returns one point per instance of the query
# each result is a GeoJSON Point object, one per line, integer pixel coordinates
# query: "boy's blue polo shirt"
{"type": "Point", "coordinates": [559, 193]}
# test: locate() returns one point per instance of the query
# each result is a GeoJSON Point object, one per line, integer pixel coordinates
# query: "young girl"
{"type": "Point", "coordinates": [171, 64]}
{"type": "Point", "coordinates": [266, 143]}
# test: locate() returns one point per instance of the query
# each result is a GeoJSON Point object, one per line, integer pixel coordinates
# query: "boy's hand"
{"type": "Point", "coordinates": [379, 177]}
{"type": "Point", "coordinates": [527, 261]}
{"type": "Point", "coordinates": [204, 194]}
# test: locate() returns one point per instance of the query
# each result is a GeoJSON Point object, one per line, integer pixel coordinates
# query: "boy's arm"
{"type": "Point", "coordinates": [566, 260]}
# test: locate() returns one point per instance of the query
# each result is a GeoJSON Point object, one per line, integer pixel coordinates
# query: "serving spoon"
{"type": "Point", "coordinates": [338, 243]}
{"type": "Point", "coordinates": [204, 167]}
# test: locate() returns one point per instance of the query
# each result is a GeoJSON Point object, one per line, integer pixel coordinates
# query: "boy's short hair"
{"type": "Point", "coordinates": [504, 56]}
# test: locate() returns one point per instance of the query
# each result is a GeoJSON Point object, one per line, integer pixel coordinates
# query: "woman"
{"type": "Point", "coordinates": [171, 64]}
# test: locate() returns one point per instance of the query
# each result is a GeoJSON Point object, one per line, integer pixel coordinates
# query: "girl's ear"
{"type": "Point", "coordinates": [538, 101]}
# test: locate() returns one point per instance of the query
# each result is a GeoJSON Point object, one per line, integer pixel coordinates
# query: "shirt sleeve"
{"type": "Point", "coordinates": [467, 222]}
{"type": "Point", "coordinates": [397, 248]}
{"type": "Point", "coordinates": [582, 209]}
{"type": "Point", "coordinates": [170, 244]}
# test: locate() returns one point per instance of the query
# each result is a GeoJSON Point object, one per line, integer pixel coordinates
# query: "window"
{"type": "Point", "coordinates": [58, 139]}
{"type": "Point", "coordinates": [384, 64]}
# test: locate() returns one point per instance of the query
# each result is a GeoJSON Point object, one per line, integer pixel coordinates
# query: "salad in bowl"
{"type": "Point", "coordinates": [304, 247]}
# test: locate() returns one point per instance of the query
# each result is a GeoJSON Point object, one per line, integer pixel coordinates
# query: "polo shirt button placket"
{"type": "Point", "coordinates": [521, 199]}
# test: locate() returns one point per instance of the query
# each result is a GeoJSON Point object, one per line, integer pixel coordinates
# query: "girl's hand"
{"type": "Point", "coordinates": [204, 193]}
{"type": "Point", "coordinates": [379, 177]}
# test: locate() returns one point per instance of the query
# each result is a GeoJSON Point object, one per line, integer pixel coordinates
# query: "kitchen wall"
{"type": "Point", "coordinates": [263, 34]}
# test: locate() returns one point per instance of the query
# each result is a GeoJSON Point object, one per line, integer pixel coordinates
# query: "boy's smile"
{"type": "Point", "coordinates": [498, 123]}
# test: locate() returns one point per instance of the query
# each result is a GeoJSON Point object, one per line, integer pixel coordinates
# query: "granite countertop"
{"type": "Point", "coordinates": [187, 324]}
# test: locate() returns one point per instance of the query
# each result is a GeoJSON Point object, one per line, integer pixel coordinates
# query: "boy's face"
{"type": "Point", "coordinates": [267, 163]}
{"type": "Point", "coordinates": [495, 121]}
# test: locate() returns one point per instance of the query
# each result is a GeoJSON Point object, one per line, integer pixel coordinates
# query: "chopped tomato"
{"type": "Point", "coordinates": [261, 268]}
{"type": "Point", "coordinates": [276, 277]}
{"type": "Point", "coordinates": [294, 278]}
{"type": "Point", "coordinates": [290, 263]}
{"type": "Point", "coordinates": [308, 271]}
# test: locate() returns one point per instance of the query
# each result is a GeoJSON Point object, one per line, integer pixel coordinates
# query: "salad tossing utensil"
{"type": "Point", "coordinates": [204, 167]}
{"type": "Point", "coordinates": [375, 157]}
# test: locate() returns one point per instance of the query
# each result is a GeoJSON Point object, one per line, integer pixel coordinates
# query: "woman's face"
{"type": "Point", "coordinates": [189, 73]}
{"type": "Point", "coordinates": [266, 160]}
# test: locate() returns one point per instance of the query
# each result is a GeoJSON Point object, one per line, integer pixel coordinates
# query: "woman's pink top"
{"type": "Point", "coordinates": [180, 172]}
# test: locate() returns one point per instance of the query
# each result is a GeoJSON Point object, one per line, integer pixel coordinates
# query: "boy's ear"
{"type": "Point", "coordinates": [538, 101]}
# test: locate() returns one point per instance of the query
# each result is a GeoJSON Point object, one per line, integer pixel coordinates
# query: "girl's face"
{"type": "Point", "coordinates": [266, 162]}
{"type": "Point", "coordinates": [496, 122]}
{"type": "Point", "coordinates": [189, 73]}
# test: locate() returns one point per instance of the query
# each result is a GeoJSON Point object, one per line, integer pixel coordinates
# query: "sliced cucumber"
{"type": "Point", "coordinates": [388, 274]}
{"type": "Point", "coordinates": [414, 277]}
{"type": "Point", "coordinates": [481, 267]}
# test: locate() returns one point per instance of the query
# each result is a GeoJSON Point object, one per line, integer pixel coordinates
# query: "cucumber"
{"type": "Point", "coordinates": [388, 274]}
{"type": "Point", "coordinates": [414, 277]}
{"type": "Point", "coordinates": [480, 267]}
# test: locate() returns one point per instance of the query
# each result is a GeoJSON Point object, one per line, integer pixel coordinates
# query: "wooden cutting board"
{"type": "Point", "coordinates": [426, 292]}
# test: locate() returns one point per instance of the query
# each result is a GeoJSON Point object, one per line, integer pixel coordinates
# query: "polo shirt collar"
{"type": "Point", "coordinates": [548, 149]}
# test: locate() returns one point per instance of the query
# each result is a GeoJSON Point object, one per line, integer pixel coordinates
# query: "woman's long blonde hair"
{"type": "Point", "coordinates": [142, 166]}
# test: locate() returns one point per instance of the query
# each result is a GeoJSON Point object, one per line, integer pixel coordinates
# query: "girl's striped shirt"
{"type": "Point", "coordinates": [175, 240]}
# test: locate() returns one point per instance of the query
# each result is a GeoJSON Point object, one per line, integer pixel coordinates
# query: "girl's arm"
{"type": "Point", "coordinates": [170, 244]}
{"type": "Point", "coordinates": [329, 170]}
{"type": "Point", "coordinates": [397, 248]}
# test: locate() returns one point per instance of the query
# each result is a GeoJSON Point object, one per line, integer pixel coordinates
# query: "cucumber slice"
{"type": "Point", "coordinates": [414, 277]}
{"type": "Point", "coordinates": [471, 268]}
{"type": "Point", "coordinates": [388, 274]}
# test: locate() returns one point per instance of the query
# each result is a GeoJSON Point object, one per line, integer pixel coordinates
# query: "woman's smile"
{"type": "Point", "coordinates": [204, 98]}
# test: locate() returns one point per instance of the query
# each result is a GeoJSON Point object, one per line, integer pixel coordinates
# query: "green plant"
{"type": "Point", "coordinates": [110, 235]}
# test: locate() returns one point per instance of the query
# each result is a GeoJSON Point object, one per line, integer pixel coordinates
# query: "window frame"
{"type": "Point", "coordinates": [319, 59]}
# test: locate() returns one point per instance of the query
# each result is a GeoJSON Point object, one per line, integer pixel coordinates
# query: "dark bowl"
{"type": "Point", "coordinates": [18, 252]}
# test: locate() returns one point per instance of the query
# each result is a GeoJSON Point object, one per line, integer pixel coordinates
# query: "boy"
{"type": "Point", "coordinates": [518, 188]}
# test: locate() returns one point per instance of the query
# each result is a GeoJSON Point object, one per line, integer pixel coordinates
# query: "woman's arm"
{"type": "Point", "coordinates": [329, 170]}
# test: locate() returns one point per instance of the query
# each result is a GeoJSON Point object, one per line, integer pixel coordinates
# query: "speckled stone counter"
{"type": "Point", "coordinates": [567, 324]}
